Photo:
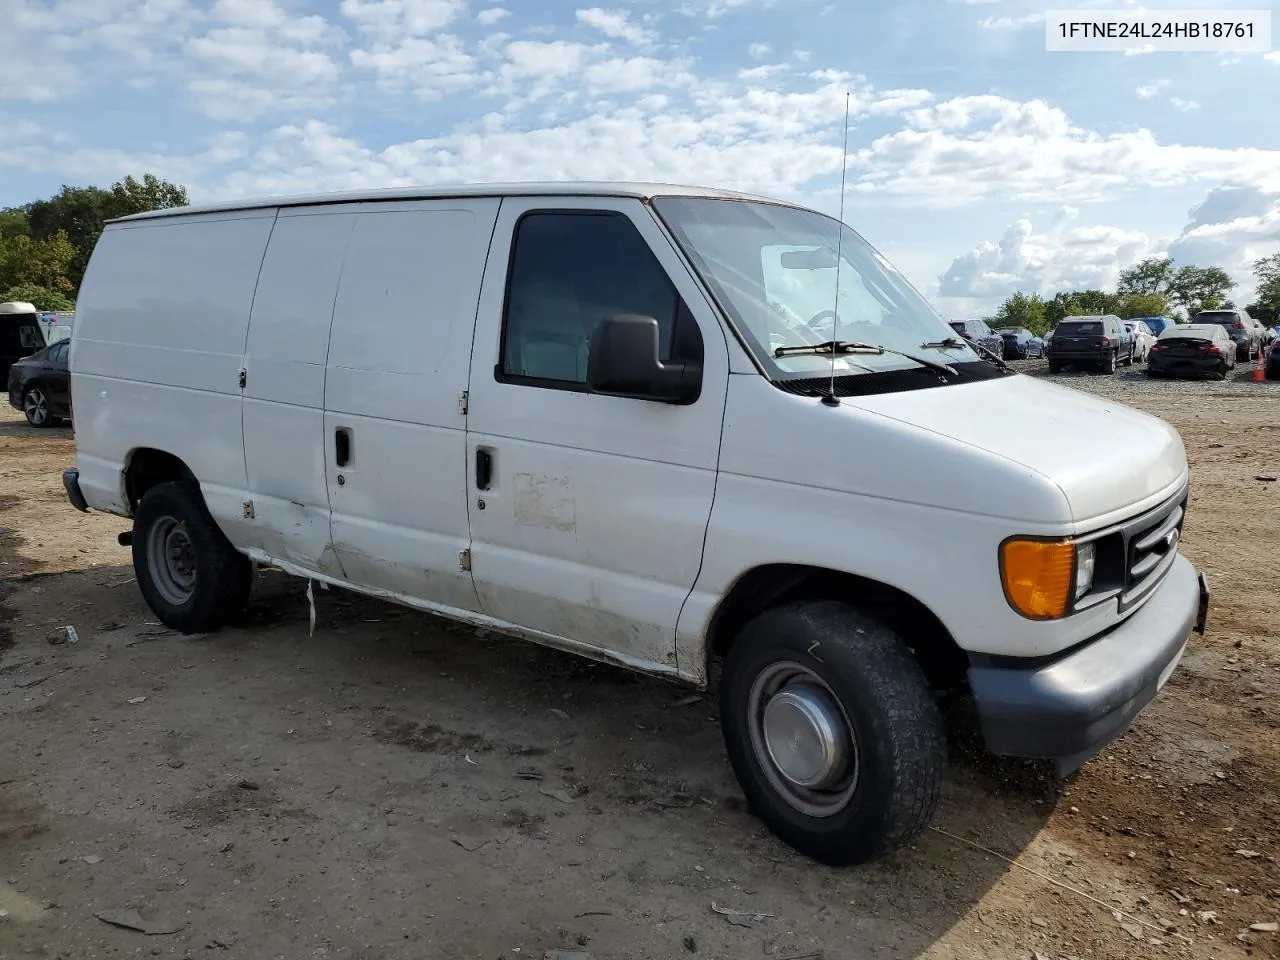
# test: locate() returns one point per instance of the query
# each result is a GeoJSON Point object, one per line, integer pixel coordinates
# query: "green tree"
{"type": "Point", "coordinates": [40, 263]}
{"type": "Point", "coordinates": [1268, 314]}
{"type": "Point", "coordinates": [1200, 288]}
{"type": "Point", "coordinates": [80, 213]}
{"type": "Point", "coordinates": [1153, 275]}
{"type": "Point", "coordinates": [14, 223]}
{"type": "Point", "coordinates": [1267, 272]}
{"type": "Point", "coordinates": [1139, 304]}
{"type": "Point", "coordinates": [1021, 310]}
{"type": "Point", "coordinates": [42, 298]}
{"type": "Point", "coordinates": [1090, 302]}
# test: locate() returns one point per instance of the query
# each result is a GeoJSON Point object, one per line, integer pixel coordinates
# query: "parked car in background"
{"type": "Point", "coordinates": [1263, 331]}
{"type": "Point", "coordinates": [1157, 325]}
{"type": "Point", "coordinates": [1193, 350]}
{"type": "Point", "coordinates": [1099, 341]}
{"type": "Point", "coordinates": [977, 331]}
{"type": "Point", "coordinates": [1240, 327]}
{"type": "Point", "coordinates": [20, 333]}
{"type": "Point", "coordinates": [1143, 338]}
{"type": "Point", "coordinates": [1017, 342]}
{"type": "Point", "coordinates": [40, 385]}
{"type": "Point", "coordinates": [1271, 360]}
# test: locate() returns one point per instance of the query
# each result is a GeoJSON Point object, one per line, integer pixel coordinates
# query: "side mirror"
{"type": "Point", "coordinates": [623, 362]}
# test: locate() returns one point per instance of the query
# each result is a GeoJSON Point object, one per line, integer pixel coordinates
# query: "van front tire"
{"type": "Point", "coordinates": [189, 573]}
{"type": "Point", "coordinates": [832, 731]}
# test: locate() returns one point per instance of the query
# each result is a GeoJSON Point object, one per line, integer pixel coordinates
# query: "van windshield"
{"type": "Point", "coordinates": [773, 270]}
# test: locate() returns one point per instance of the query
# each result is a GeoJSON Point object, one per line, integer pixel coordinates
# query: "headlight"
{"type": "Point", "coordinates": [1037, 575]}
{"type": "Point", "coordinates": [1085, 561]}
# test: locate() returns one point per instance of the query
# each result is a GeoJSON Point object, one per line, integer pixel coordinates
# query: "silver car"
{"type": "Point", "coordinates": [977, 331]}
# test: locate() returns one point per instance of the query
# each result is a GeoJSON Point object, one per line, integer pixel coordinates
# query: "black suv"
{"type": "Point", "coordinates": [1101, 341]}
{"type": "Point", "coordinates": [1240, 327]}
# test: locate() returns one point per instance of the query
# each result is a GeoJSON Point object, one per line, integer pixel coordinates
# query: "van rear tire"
{"type": "Point", "coordinates": [813, 666]}
{"type": "Point", "coordinates": [191, 576]}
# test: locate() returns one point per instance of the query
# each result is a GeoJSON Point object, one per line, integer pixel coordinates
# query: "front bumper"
{"type": "Point", "coordinates": [1069, 709]}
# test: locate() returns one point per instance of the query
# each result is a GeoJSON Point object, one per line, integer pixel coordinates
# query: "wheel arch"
{"type": "Point", "coordinates": [147, 467]}
{"type": "Point", "coordinates": [761, 588]}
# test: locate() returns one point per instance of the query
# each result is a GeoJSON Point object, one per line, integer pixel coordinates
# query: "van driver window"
{"type": "Point", "coordinates": [569, 271]}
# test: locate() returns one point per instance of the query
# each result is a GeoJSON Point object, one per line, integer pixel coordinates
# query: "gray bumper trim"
{"type": "Point", "coordinates": [1071, 708]}
{"type": "Point", "coordinates": [71, 483]}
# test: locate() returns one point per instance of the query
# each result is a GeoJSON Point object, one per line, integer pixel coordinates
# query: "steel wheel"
{"type": "Point", "coordinates": [802, 739]}
{"type": "Point", "coordinates": [171, 560]}
{"type": "Point", "coordinates": [36, 406]}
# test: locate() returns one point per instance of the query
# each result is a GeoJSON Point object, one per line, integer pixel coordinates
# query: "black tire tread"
{"type": "Point", "coordinates": [906, 723]}
{"type": "Point", "coordinates": [224, 575]}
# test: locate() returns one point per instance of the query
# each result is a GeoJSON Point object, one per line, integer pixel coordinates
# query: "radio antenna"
{"type": "Point", "coordinates": [830, 399]}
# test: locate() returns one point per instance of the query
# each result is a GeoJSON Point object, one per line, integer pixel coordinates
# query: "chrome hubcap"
{"type": "Point", "coordinates": [803, 740]}
{"type": "Point", "coordinates": [171, 560]}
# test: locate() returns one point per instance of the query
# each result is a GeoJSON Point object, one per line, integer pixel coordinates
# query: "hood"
{"type": "Point", "coordinates": [1104, 456]}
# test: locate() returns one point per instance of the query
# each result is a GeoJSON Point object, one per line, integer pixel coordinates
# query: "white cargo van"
{"type": "Point", "coordinates": [654, 425]}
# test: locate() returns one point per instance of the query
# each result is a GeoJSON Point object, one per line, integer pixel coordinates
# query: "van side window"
{"type": "Point", "coordinates": [570, 270]}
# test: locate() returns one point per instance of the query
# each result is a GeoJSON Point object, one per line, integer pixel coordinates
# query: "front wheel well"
{"type": "Point", "coordinates": [939, 656]}
{"type": "Point", "coordinates": [147, 468]}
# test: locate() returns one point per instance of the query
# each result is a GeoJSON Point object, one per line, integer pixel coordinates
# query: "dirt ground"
{"type": "Point", "coordinates": [398, 787]}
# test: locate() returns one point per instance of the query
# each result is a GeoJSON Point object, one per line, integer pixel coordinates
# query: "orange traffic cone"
{"type": "Point", "coordinates": [1259, 372]}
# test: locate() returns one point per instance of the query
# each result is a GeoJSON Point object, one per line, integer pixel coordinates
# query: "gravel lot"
{"type": "Point", "coordinates": [398, 787]}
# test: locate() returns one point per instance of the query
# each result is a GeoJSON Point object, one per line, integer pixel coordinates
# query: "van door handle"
{"type": "Point", "coordinates": [484, 468]}
{"type": "Point", "coordinates": [342, 446]}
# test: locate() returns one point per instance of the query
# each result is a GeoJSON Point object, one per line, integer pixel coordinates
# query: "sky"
{"type": "Point", "coordinates": [977, 162]}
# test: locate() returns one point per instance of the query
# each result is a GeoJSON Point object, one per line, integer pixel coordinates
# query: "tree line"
{"type": "Point", "coordinates": [45, 245]}
{"type": "Point", "coordinates": [1150, 288]}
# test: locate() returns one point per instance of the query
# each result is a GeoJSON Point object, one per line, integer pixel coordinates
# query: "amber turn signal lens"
{"type": "Point", "coordinates": [1037, 576]}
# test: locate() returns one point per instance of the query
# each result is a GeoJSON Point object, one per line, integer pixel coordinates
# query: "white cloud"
{"type": "Point", "coordinates": [428, 66]}
{"type": "Point", "coordinates": [803, 56]}
{"type": "Point", "coordinates": [393, 20]}
{"type": "Point", "coordinates": [971, 149]}
{"type": "Point", "coordinates": [615, 24]}
{"type": "Point", "coordinates": [55, 50]}
{"type": "Point", "coordinates": [759, 50]}
{"type": "Point", "coordinates": [762, 72]}
{"type": "Point", "coordinates": [618, 75]}
{"type": "Point", "coordinates": [1231, 228]}
{"type": "Point", "coordinates": [487, 18]}
{"type": "Point", "coordinates": [1063, 258]}
{"type": "Point", "coordinates": [1184, 105]}
{"type": "Point", "coordinates": [258, 59]}
{"type": "Point", "coordinates": [1149, 90]}
{"type": "Point", "coordinates": [1010, 23]}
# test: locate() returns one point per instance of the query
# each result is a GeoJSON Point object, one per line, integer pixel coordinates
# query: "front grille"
{"type": "Point", "coordinates": [1150, 547]}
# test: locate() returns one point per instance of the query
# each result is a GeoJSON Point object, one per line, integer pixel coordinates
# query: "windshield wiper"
{"type": "Point", "coordinates": [951, 343]}
{"type": "Point", "coordinates": [834, 347]}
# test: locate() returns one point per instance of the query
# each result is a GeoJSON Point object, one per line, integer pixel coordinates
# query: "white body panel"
{"type": "Point", "coordinates": [612, 527]}
{"type": "Point", "coordinates": [593, 526]}
{"type": "Point", "coordinates": [284, 363]}
{"type": "Point", "coordinates": [156, 354]}
{"type": "Point", "coordinates": [398, 358]}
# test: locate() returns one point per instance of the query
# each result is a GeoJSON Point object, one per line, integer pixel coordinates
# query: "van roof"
{"type": "Point", "coordinates": [641, 191]}
{"type": "Point", "coordinates": [17, 306]}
